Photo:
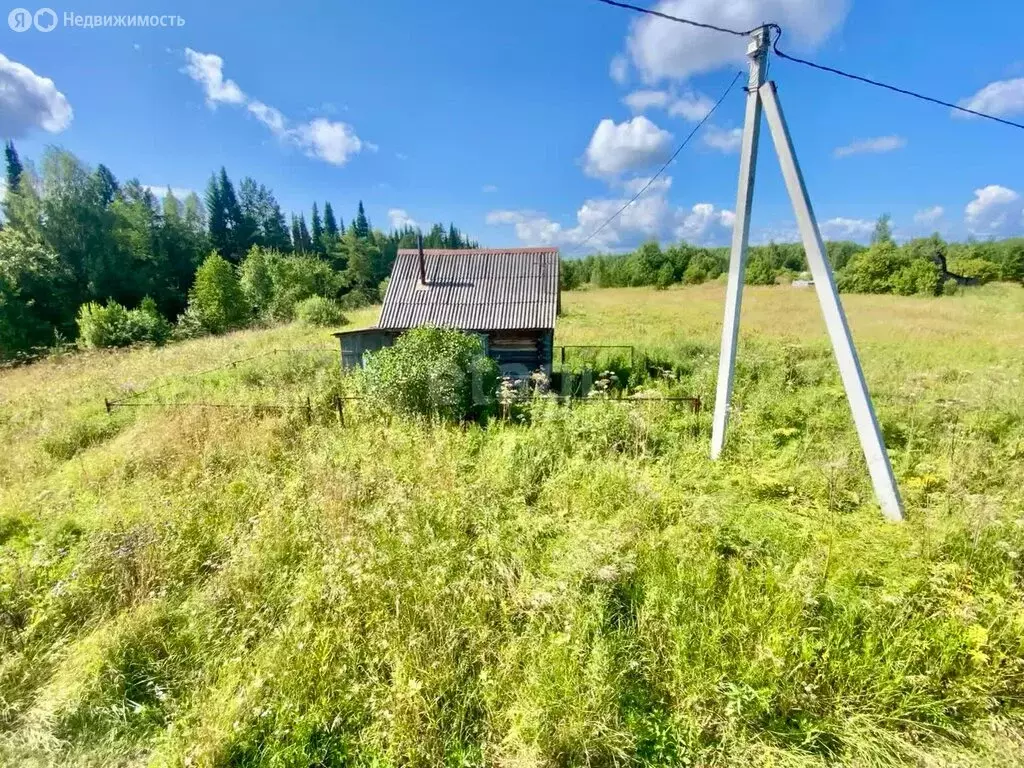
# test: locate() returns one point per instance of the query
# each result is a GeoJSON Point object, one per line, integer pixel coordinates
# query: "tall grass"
{"type": "Point", "coordinates": [222, 588]}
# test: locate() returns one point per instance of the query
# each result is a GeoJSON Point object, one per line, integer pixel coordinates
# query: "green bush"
{"type": "Point", "coordinates": [35, 301]}
{"type": "Point", "coordinates": [216, 303]}
{"type": "Point", "coordinates": [316, 310]}
{"type": "Point", "coordinates": [918, 277]}
{"type": "Point", "coordinates": [111, 325]}
{"type": "Point", "coordinates": [983, 270]}
{"type": "Point", "coordinates": [357, 299]}
{"type": "Point", "coordinates": [760, 272]}
{"type": "Point", "coordinates": [871, 271]}
{"type": "Point", "coordinates": [434, 372]}
{"type": "Point", "coordinates": [274, 283]}
{"type": "Point", "coordinates": [1013, 266]}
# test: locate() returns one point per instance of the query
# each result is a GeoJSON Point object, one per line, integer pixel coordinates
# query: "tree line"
{"type": "Point", "coordinates": [927, 265]}
{"type": "Point", "coordinates": [75, 239]}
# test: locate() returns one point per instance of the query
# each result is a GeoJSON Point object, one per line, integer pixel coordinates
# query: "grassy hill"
{"type": "Point", "coordinates": [233, 587]}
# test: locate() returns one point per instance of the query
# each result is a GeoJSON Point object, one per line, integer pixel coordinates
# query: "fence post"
{"type": "Point", "coordinates": [339, 404]}
{"type": "Point", "coordinates": [106, 404]}
{"type": "Point", "coordinates": [309, 411]}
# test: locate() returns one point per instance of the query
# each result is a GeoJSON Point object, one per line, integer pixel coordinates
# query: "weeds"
{"type": "Point", "coordinates": [584, 587]}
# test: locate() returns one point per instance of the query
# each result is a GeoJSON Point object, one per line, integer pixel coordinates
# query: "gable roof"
{"type": "Point", "coordinates": [474, 290]}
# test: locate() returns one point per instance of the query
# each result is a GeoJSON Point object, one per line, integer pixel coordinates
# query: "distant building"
{"type": "Point", "coordinates": [509, 296]}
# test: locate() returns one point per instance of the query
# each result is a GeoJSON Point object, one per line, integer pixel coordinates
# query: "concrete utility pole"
{"type": "Point", "coordinates": [763, 94]}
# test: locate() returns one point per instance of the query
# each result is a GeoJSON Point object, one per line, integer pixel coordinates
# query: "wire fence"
{"type": "Point", "coordinates": [150, 397]}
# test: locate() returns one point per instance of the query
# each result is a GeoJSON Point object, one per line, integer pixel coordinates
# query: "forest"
{"type": "Point", "coordinates": [927, 266]}
{"type": "Point", "coordinates": [87, 258]}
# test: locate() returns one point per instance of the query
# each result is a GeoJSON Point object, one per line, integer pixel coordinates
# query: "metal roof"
{"type": "Point", "coordinates": [478, 290]}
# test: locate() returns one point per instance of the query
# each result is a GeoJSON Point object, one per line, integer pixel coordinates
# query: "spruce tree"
{"type": "Point", "coordinates": [236, 241]}
{"type": "Point", "coordinates": [14, 166]}
{"type": "Point", "coordinates": [318, 232]}
{"type": "Point", "coordinates": [275, 233]}
{"type": "Point", "coordinates": [330, 224]}
{"type": "Point", "coordinates": [304, 238]}
{"type": "Point", "coordinates": [215, 216]}
{"type": "Point", "coordinates": [108, 185]}
{"type": "Point", "coordinates": [296, 235]}
{"type": "Point", "coordinates": [361, 226]}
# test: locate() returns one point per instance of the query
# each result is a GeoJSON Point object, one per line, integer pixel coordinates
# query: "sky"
{"type": "Point", "coordinates": [530, 122]}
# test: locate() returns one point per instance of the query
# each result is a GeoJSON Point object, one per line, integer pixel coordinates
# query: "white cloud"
{"type": "Point", "coordinates": [29, 102]}
{"type": "Point", "coordinates": [641, 101]}
{"type": "Point", "coordinates": [664, 49]}
{"type": "Point", "coordinates": [160, 191]}
{"type": "Point", "coordinates": [928, 216]}
{"type": "Point", "coordinates": [705, 224]}
{"type": "Point", "coordinates": [780, 232]}
{"type": "Point", "coordinates": [207, 69]}
{"type": "Point", "coordinates": [995, 211]}
{"type": "Point", "coordinates": [1001, 98]}
{"type": "Point", "coordinates": [328, 140]}
{"type": "Point", "coordinates": [269, 116]}
{"type": "Point", "coordinates": [400, 156]}
{"type": "Point", "coordinates": [488, 188]}
{"type": "Point", "coordinates": [650, 216]}
{"type": "Point", "coordinates": [660, 185]}
{"type": "Point", "coordinates": [724, 140]}
{"type": "Point", "coordinates": [867, 146]}
{"type": "Point", "coordinates": [619, 147]}
{"type": "Point", "coordinates": [400, 219]}
{"type": "Point", "coordinates": [841, 228]}
{"type": "Point", "coordinates": [619, 69]}
{"type": "Point", "coordinates": [691, 106]}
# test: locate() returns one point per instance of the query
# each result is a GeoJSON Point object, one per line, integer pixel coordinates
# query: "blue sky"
{"type": "Point", "coordinates": [528, 122]}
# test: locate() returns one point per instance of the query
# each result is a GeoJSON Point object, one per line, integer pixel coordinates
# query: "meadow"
{"type": "Point", "coordinates": [241, 587]}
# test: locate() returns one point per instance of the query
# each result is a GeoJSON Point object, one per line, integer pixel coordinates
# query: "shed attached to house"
{"type": "Point", "coordinates": [509, 296]}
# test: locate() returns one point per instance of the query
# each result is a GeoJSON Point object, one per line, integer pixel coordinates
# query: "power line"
{"type": "Point", "coordinates": [886, 86]}
{"type": "Point", "coordinates": [691, 22]}
{"type": "Point", "coordinates": [661, 170]}
{"type": "Point", "coordinates": [814, 65]}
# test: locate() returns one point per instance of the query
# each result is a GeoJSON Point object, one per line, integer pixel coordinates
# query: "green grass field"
{"type": "Point", "coordinates": [222, 587]}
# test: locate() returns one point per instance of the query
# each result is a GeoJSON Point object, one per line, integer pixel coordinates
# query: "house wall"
{"type": "Point", "coordinates": [520, 353]}
{"type": "Point", "coordinates": [356, 344]}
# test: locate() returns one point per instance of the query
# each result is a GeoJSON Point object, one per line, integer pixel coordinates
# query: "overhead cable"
{"type": "Point", "coordinates": [661, 170]}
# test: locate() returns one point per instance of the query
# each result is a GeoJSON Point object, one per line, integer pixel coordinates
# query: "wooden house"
{"type": "Point", "coordinates": [510, 296]}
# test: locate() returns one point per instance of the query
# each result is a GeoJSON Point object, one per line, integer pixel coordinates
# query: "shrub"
{"type": "Point", "coordinates": [435, 372]}
{"type": "Point", "coordinates": [317, 310]}
{"type": "Point", "coordinates": [216, 302]}
{"type": "Point", "coordinates": [871, 271]}
{"type": "Point", "coordinates": [274, 283]}
{"type": "Point", "coordinates": [983, 270]}
{"type": "Point", "coordinates": [917, 277]}
{"type": "Point", "coordinates": [256, 280]}
{"type": "Point", "coordinates": [1013, 266]}
{"type": "Point", "coordinates": [665, 277]}
{"type": "Point", "coordinates": [112, 325]}
{"type": "Point", "coordinates": [760, 272]}
{"type": "Point", "coordinates": [35, 300]}
{"type": "Point", "coordinates": [357, 299]}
